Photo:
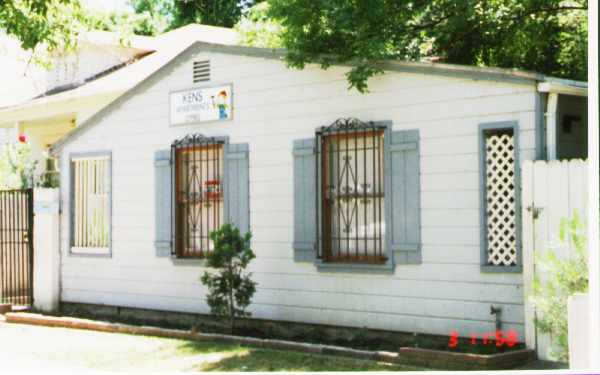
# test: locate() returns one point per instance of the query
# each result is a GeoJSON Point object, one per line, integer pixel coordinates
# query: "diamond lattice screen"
{"type": "Point", "coordinates": [500, 195]}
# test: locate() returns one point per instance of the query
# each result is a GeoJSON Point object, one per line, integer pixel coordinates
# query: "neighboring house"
{"type": "Point", "coordinates": [82, 82]}
{"type": "Point", "coordinates": [20, 79]}
{"type": "Point", "coordinates": [394, 210]}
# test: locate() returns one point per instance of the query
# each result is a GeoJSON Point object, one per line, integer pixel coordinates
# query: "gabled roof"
{"type": "Point", "coordinates": [157, 62]}
{"type": "Point", "coordinates": [167, 46]}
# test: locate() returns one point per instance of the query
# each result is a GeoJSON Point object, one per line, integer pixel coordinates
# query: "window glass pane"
{"type": "Point", "coordinates": [199, 208]}
{"type": "Point", "coordinates": [91, 202]}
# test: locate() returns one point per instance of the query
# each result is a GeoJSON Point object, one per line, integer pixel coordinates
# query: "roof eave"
{"type": "Point", "coordinates": [460, 71]}
{"type": "Point", "coordinates": [565, 89]}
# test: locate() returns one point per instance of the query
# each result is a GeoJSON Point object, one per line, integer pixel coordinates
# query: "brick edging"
{"type": "Point", "coordinates": [405, 356]}
{"type": "Point", "coordinates": [447, 359]}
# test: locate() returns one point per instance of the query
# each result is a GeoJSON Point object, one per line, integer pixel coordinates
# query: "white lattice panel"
{"type": "Point", "coordinates": [500, 195]}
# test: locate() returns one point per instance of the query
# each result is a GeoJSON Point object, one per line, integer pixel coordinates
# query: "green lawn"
{"type": "Point", "coordinates": [120, 352]}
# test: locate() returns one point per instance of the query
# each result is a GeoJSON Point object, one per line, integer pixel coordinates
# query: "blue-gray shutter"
{"type": "Point", "coordinates": [403, 196]}
{"type": "Point", "coordinates": [162, 186]}
{"type": "Point", "coordinates": [236, 187]}
{"type": "Point", "coordinates": [304, 200]}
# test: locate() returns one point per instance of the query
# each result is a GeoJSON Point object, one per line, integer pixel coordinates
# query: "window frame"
{"type": "Point", "coordinates": [224, 142]}
{"type": "Point", "coordinates": [484, 129]}
{"type": "Point", "coordinates": [100, 252]}
{"type": "Point", "coordinates": [388, 265]}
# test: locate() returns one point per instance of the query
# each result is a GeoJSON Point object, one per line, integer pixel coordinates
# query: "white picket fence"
{"type": "Point", "coordinates": [551, 191]}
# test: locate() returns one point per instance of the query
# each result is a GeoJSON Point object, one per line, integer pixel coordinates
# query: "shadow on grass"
{"type": "Point", "coordinates": [239, 358]}
{"type": "Point", "coordinates": [206, 347]}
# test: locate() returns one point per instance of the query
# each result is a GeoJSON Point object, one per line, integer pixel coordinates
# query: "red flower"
{"type": "Point", "coordinates": [512, 337]}
{"type": "Point", "coordinates": [453, 342]}
{"type": "Point", "coordinates": [22, 138]}
{"type": "Point", "coordinates": [500, 340]}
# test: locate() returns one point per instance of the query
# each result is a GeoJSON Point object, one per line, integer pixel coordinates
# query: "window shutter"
{"type": "Point", "coordinates": [162, 182]}
{"type": "Point", "coordinates": [403, 196]}
{"type": "Point", "coordinates": [304, 200]}
{"type": "Point", "coordinates": [237, 191]}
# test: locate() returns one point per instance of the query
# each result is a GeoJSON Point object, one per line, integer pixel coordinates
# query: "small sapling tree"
{"type": "Point", "coordinates": [230, 288]}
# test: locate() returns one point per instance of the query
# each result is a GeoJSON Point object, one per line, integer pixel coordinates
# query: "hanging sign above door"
{"type": "Point", "coordinates": [201, 104]}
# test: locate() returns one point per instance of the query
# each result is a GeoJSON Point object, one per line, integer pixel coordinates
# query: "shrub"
{"type": "Point", "coordinates": [17, 166]}
{"type": "Point", "coordinates": [230, 290]}
{"type": "Point", "coordinates": [565, 277]}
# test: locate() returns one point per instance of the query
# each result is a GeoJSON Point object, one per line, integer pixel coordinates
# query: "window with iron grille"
{"type": "Point", "coordinates": [350, 214]}
{"type": "Point", "coordinates": [198, 194]}
{"type": "Point", "coordinates": [500, 215]}
{"type": "Point", "coordinates": [91, 211]}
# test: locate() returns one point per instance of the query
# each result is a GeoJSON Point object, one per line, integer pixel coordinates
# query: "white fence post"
{"type": "Point", "coordinates": [579, 331]}
{"type": "Point", "coordinates": [46, 257]}
{"type": "Point", "coordinates": [528, 246]}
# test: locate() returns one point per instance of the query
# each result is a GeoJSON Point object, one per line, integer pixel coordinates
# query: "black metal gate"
{"type": "Point", "coordinates": [16, 247]}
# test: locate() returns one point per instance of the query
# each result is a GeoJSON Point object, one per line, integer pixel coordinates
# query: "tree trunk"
{"type": "Point", "coordinates": [231, 305]}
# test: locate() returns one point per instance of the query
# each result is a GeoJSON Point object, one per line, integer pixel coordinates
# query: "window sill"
{"type": "Point", "coordinates": [501, 269]}
{"type": "Point", "coordinates": [101, 252]}
{"type": "Point", "coordinates": [192, 262]}
{"type": "Point", "coordinates": [384, 268]}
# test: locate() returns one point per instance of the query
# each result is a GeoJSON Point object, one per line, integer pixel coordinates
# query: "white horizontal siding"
{"type": "Point", "coordinates": [314, 299]}
{"type": "Point", "coordinates": [399, 285]}
{"type": "Point", "coordinates": [273, 106]}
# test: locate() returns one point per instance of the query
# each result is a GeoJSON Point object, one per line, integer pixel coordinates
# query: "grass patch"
{"type": "Point", "coordinates": [239, 358]}
{"type": "Point", "coordinates": [102, 351]}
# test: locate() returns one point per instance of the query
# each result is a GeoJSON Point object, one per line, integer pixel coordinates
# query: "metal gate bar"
{"type": "Point", "coordinates": [16, 247]}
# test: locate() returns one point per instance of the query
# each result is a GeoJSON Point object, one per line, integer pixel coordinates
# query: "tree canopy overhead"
{"type": "Point", "coordinates": [224, 13]}
{"type": "Point", "coordinates": [153, 17]}
{"type": "Point", "coordinates": [56, 23]}
{"type": "Point", "coordinates": [33, 22]}
{"type": "Point", "coordinates": [547, 36]}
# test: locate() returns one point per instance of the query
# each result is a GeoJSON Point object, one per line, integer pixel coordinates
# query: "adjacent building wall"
{"type": "Point", "coordinates": [272, 107]}
{"type": "Point", "coordinates": [74, 68]}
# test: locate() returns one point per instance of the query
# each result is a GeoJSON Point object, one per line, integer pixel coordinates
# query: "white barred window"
{"type": "Point", "coordinates": [91, 208]}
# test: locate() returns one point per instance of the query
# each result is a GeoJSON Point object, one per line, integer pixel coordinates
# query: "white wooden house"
{"type": "Point", "coordinates": [394, 210]}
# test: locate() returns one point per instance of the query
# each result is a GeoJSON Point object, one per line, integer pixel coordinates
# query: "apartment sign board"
{"type": "Point", "coordinates": [201, 105]}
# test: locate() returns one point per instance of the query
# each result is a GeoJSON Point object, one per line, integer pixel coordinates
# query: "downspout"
{"type": "Point", "coordinates": [541, 104]}
{"type": "Point", "coordinates": [552, 126]}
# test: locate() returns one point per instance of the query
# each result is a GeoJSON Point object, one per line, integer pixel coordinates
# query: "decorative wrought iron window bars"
{"type": "Point", "coordinates": [198, 193]}
{"type": "Point", "coordinates": [350, 182]}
